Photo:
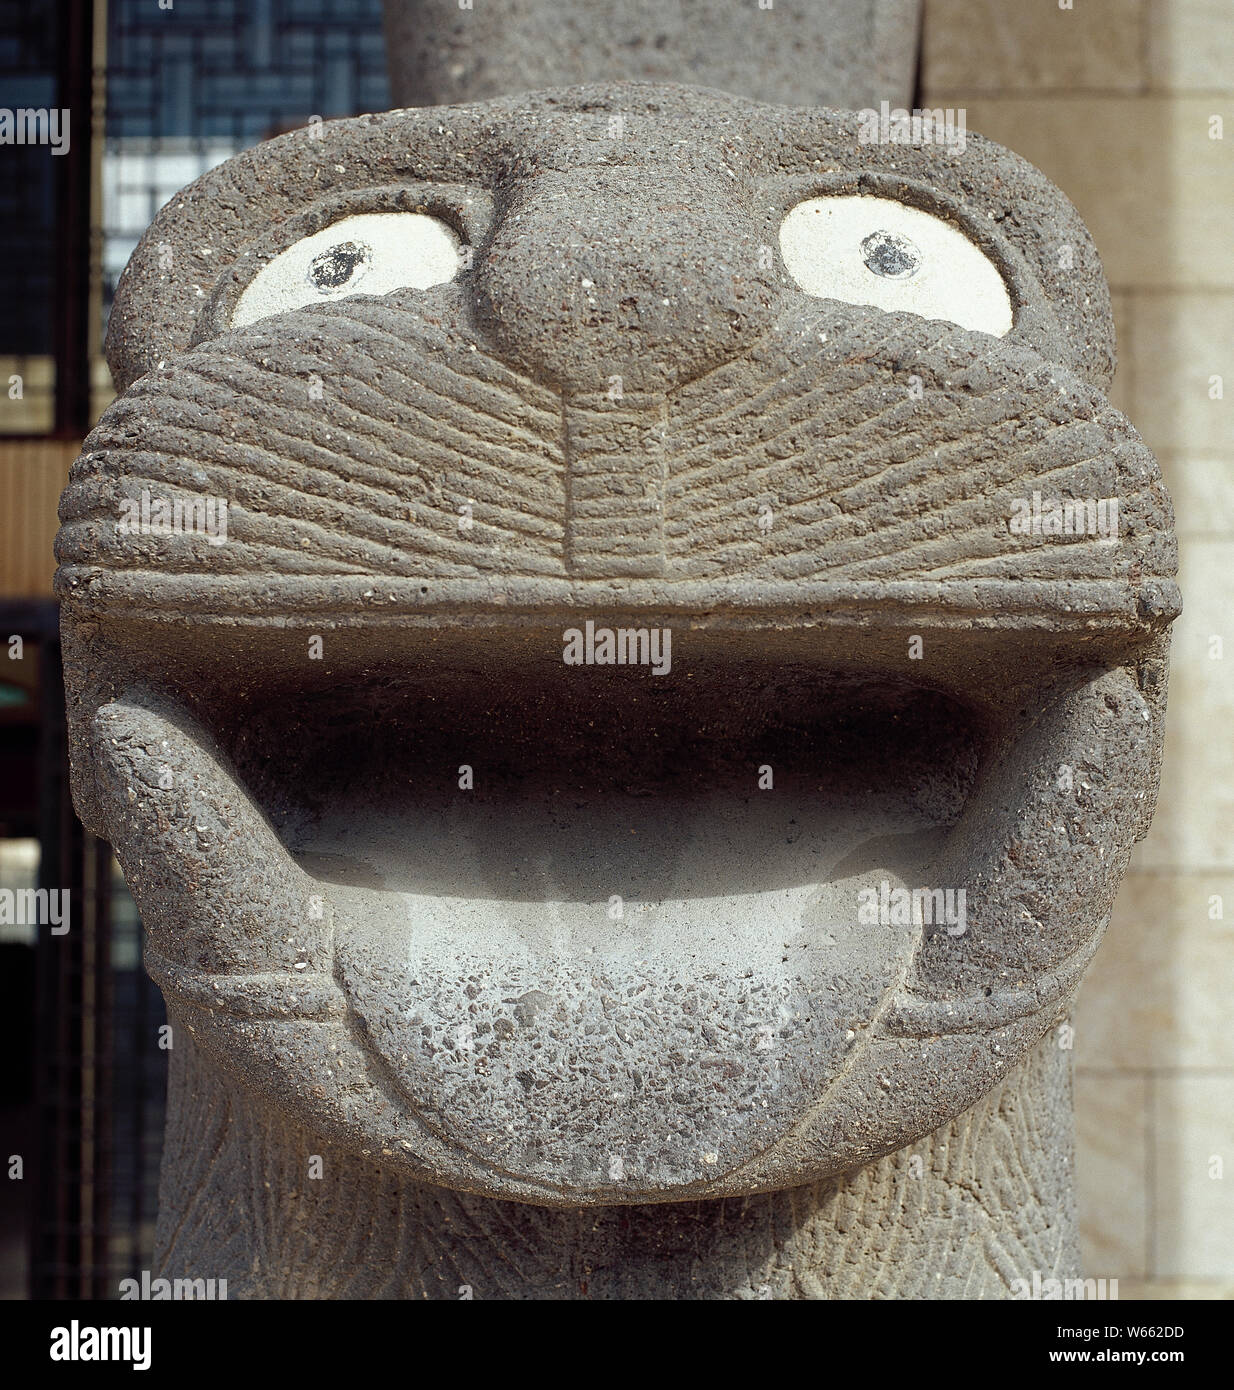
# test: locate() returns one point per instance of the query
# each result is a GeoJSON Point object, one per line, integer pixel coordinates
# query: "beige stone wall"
{"type": "Point", "coordinates": [33, 474]}
{"type": "Point", "coordinates": [34, 471]}
{"type": "Point", "coordinates": [1115, 100]}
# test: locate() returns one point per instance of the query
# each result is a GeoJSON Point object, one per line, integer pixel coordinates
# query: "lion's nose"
{"type": "Point", "coordinates": [611, 279]}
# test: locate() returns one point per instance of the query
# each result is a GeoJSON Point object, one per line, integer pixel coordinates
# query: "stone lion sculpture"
{"type": "Point", "coordinates": [498, 975]}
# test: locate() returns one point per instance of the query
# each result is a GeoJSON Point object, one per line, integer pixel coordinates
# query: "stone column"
{"type": "Point", "coordinates": [847, 53]}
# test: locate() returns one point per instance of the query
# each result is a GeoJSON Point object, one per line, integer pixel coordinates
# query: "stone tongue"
{"type": "Point", "coordinates": [676, 1055]}
{"type": "Point", "coordinates": [568, 991]}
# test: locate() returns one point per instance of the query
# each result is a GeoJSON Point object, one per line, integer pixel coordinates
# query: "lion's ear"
{"type": "Point", "coordinates": [193, 240]}
{"type": "Point", "coordinates": [215, 232]}
{"type": "Point", "coordinates": [1061, 299]}
{"type": "Point", "coordinates": [1043, 226]}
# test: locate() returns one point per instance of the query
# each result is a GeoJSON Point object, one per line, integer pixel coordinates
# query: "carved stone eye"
{"type": "Point", "coordinates": [370, 253]}
{"type": "Point", "coordinates": [867, 250]}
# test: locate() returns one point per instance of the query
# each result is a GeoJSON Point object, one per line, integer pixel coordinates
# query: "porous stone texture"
{"type": "Point", "coordinates": [964, 1213]}
{"type": "Point", "coordinates": [850, 53]}
{"type": "Point", "coordinates": [574, 941]}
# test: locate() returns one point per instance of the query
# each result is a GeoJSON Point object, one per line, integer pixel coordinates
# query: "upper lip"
{"type": "Point", "coordinates": [852, 530]}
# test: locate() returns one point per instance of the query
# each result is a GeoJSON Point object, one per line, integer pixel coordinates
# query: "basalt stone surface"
{"type": "Point", "coordinates": [964, 1213]}
{"type": "Point", "coordinates": [435, 904]}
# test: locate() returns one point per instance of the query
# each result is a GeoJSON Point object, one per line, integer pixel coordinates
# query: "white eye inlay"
{"type": "Point", "coordinates": [370, 253]}
{"type": "Point", "coordinates": [866, 250]}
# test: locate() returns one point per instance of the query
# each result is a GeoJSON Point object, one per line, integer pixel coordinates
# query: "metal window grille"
{"type": "Point", "coordinates": [185, 87]}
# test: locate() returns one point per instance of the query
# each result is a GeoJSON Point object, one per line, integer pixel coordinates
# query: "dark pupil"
{"type": "Point", "coordinates": [337, 265]}
{"type": "Point", "coordinates": [885, 253]}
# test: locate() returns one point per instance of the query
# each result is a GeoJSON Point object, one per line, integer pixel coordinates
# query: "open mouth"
{"type": "Point", "coordinates": [541, 906]}
{"type": "Point", "coordinates": [614, 918]}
